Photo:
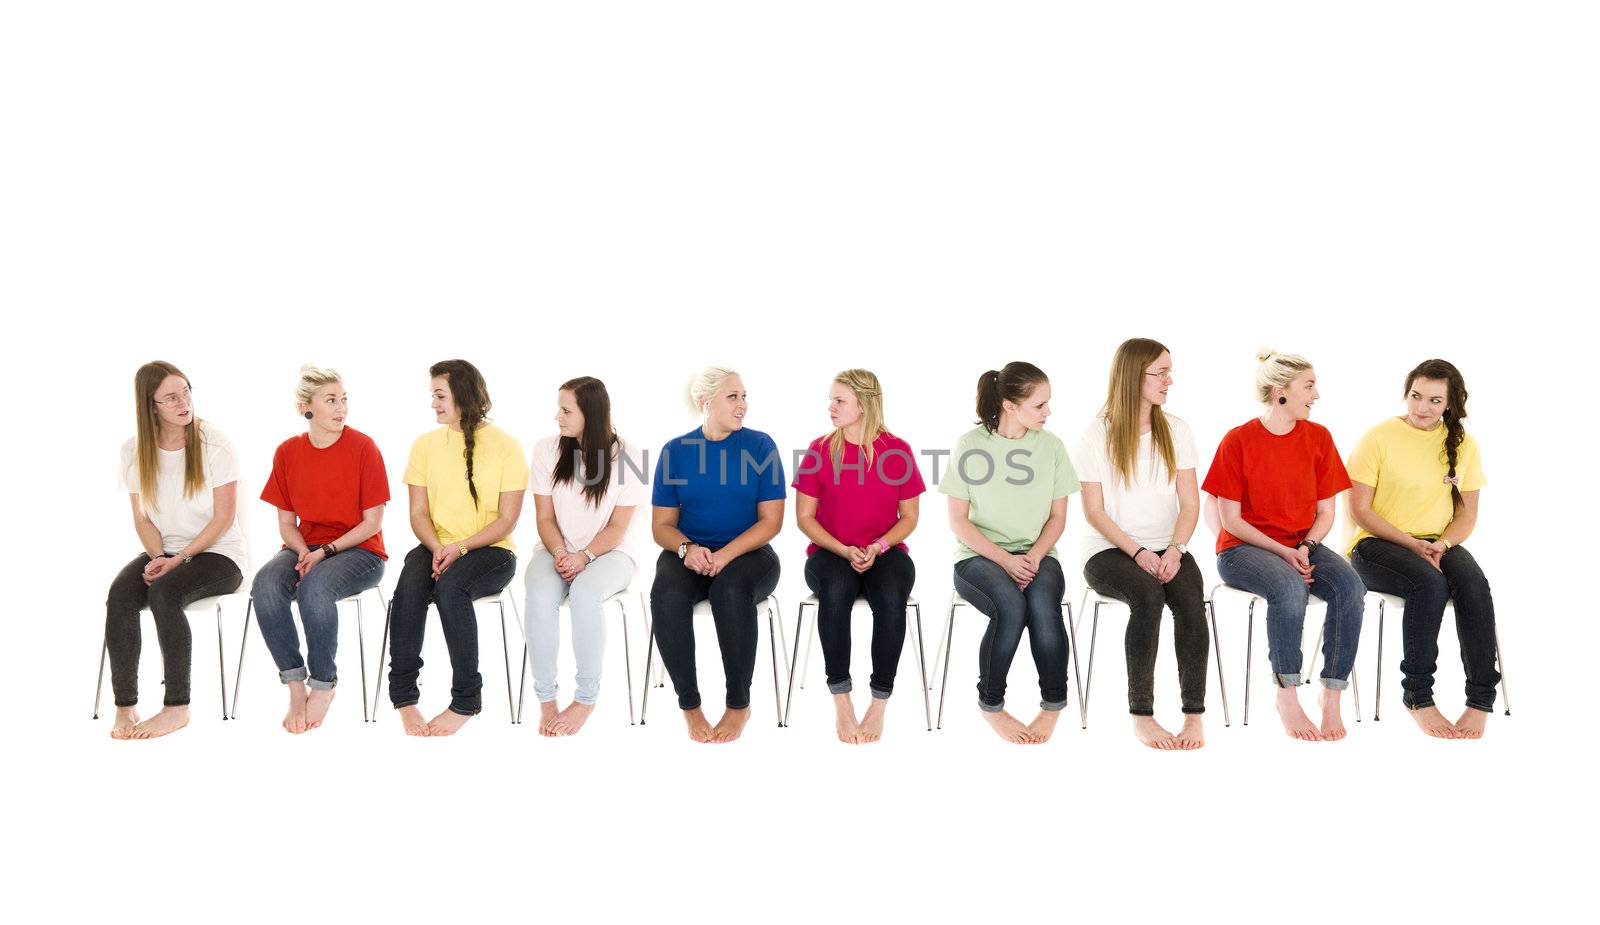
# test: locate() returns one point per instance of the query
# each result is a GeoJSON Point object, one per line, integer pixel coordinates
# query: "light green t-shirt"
{"type": "Point", "coordinates": [1009, 485]}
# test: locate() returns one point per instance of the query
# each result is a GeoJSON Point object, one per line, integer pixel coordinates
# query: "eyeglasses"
{"type": "Point", "coordinates": [1165, 375]}
{"type": "Point", "coordinates": [176, 399]}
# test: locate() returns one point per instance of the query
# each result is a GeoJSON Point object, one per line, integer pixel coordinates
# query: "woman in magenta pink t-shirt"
{"type": "Point", "coordinates": [856, 499]}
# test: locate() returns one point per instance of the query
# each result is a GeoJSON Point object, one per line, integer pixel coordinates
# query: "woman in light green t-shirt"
{"type": "Point", "coordinates": [1008, 483]}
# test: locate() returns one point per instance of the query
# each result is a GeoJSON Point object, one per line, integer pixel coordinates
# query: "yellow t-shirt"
{"type": "Point", "coordinates": [1406, 468]}
{"type": "Point", "coordinates": [439, 463]}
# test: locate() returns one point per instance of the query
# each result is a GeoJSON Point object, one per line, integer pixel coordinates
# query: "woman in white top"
{"type": "Point", "coordinates": [181, 476]}
{"type": "Point", "coordinates": [1140, 496]}
{"type": "Point", "coordinates": [586, 483]}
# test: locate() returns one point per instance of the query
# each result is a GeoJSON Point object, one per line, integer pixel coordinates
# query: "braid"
{"type": "Point", "coordinates": [469, 434]}
{"type": "Point", "coordinates": [1454, 434]}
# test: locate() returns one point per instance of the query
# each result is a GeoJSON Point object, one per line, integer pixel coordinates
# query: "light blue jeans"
{"type": "Point", "coordinates": [1332, 579]}
{"type": "Point", "coordinates": [585, 595]}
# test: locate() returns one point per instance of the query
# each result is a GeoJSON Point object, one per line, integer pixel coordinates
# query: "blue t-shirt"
{"type": "Point", "coordinates": [716, 485]}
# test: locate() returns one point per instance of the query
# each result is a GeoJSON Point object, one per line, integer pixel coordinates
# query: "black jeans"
{"type": "Point", "coordinates": [209, 574]}
{"type": "Point", "coordinates": [1114, 575]}
{"type": "Point", "coordinates": [733, 595]}
{"type": "Point", "coordinates": [480, 572]}
{"type": "Point", "coordinates": [987, 587]}
{"type": "Point", "coordinates": [887, 587]}
{"type": "Point", "coordinates": [1388, 568]}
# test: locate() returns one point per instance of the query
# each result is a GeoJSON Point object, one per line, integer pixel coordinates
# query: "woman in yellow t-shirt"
{"type": "Point", "coordinates": [1415, 498]}
{"type": "Point", "coordinates": [466, 481]}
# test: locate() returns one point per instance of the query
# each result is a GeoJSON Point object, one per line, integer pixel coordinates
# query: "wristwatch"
{"type": "Point", "coordinates": [587, 553]}
{"type": "Point", "coordinates": [1182, 548]}
{"type": "Point", "coordinates": [328, 549]}
{"type": "Point", "coordinates": [1310, 544]}
{"type": "Point", "coordinates": [683, 549]}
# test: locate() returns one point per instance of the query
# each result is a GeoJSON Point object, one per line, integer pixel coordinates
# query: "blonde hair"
{"type": "Point", "coordinates": [703, 385]}
{"type": "Point", "coordinates": [869, 395]}
{"type": "Point", "coordinates": [146, 380]}
{"type": "Point", "coordinates": [1124, 395]}
{"type": "Point", "coordinates": [1277, 370]}
{"type": "Point", "coordinates": [312, 378]}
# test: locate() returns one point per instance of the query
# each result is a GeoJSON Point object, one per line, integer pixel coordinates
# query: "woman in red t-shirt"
{"type": "Point", "coordinates": [856, 499]}
{"type": "Point", "coordinates": [329, 487]}
{"type": "Point", "coordinates": [1275, 479]}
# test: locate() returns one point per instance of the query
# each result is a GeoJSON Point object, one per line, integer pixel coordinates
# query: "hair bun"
{"type": "Point", "coordinates": [1263, 354]}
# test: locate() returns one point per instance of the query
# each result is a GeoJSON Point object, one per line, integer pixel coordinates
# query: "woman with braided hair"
{"type": "Point", "coordinates": [466, 481]}
{"type": "Point", "coordinates": [1415, 498]}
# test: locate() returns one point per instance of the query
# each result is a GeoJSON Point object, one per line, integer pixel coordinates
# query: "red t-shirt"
{"type": "Point", "coordinates": [329, 488]}
{"type": "Point", "coordinates": [1276, 480]}
{"type": "Point", "coordinates": [859, 504]}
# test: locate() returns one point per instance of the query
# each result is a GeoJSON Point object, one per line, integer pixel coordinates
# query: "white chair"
{"type": "Point", "coordinates": [703, 609]}
{"type": "Point", "coordinates": [1250, 624]}
{"type": "Point", "coordinates": [1099, 600]}
{"type": "Point", "coordinates": [203, 605]}
{"type": "Point", "coordinates": [620, 599]}
{"type": "Point", "coordinates": [498, 599]}
{"type": "Point", "coordinates": [1386, 601]}
{"type": "Point", "coordinates": [800, 620]}
{"type": "Point", "coordinates": [948, 638]}
{"type": "Point", "coordinates": [294, 608]}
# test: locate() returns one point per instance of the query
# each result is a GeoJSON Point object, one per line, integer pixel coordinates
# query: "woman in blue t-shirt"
{"type": "Point", "coordinates": [718, 499]}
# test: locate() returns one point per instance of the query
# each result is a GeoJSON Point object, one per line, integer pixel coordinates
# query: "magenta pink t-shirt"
{"type": "Point", "coordinates": [858, 504]}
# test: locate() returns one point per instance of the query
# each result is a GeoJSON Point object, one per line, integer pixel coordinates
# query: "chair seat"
{"type": "Point", "coordinates": [811, 600]}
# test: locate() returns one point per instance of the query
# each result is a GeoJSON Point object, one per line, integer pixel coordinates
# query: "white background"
{"type": "Point", "coordinates": [929, 190]}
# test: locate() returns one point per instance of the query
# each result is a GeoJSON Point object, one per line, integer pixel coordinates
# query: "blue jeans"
{"type": "Point", "coordinates": [1250, 568]}
{"type": "Point", "coordinates": [333, 579]}
{"type": "Point", "coordinates": [987, 587]}
{"type": "Point", "coordinates": [1392, 569]}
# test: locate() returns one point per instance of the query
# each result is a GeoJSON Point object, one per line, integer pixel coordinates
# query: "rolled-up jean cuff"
{"type": "Point", "coordinates": [878, 694]}
{"type": "Point", "coordinates": [1286, 680]}
{"type": "Point", "coordinates": [737, 706]}
{"type": "Point", "coordinates": [408, 703]}
{"type": "Point", "coordinates": [1054, 706]}
{"type": "Point", "coordinates": [1193, 711]}
{"type": "Point", "coordinates": [319, 685]}
{"type": "Point", "coordinates": [1337, 684]}
{"type": "Point", "coordinates": [1419, 703]}
{"type": "Point", "coordinates": [294, 674]}
{"type": "Point", "coordinates": [840, 687]}
{"type": "Point", "coordinates": [1132, 712]}
{"type": "Point", "coordinates": [1479, 706]}
{"type": "Point", "coordinates": [462, 712]}
{"type": "Point", "coordinates": [991, 708]}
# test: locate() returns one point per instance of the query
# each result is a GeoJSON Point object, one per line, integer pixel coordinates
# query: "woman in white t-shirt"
{"type": "Point", "coordinates": [1140, 496]}
{"type": "Point", "coordinates": [586, 483]}
{"type": "Point", "coordinates": [180, 474]}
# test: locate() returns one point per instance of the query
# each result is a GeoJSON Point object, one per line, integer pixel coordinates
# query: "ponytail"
{"type": "Point", "coordinates": [1013, 382]}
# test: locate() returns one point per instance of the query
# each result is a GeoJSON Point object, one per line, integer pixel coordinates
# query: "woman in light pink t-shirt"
{"type": "Point", "coordinates": [586, 483]}
{"type": "Point", "coordinates": [856, 498]}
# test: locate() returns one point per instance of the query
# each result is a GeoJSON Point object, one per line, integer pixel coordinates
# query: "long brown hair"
{"type": "Point", "coordinates": [595, 445]}
{"type": "Point", "coordinates": [471, 397]}
{"type": "Point", "coordinates": [1454, 413]}
{"type": "Point", "coordinates": [1013, 383]}
{"type": "Point", "coordinates": [1124, 395]}
{"type": "Point", "coordinates": [146, 446]}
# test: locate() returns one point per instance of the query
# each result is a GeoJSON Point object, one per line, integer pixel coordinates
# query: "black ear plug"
{"type": "Point", "coordinates": [308, 414]}
{"type": "Point", "coordinates": [1282, 400]}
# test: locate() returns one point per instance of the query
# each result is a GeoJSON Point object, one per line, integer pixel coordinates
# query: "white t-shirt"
{"type": "Point", "coordinates": [1146, 509]}
{"type": "Point", "coordinates": [182, 519]}
{"type": "Point", "coordinates": [577, 519]}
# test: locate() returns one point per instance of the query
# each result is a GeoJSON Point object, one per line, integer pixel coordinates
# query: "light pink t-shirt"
{"type": "Point", "coordinates": [577, 519]}
{"type": "Point", "coordinates": [859, 503]}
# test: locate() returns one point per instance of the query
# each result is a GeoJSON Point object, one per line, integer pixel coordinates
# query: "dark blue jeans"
{"type": "Point", "coordinates": [333, 579]}
{"type": "Point", "coordinates": [733, 594]}
{"type": "Point", "coordinates": [987, 587]}
{"type": "Point", "coordinates": [478, 573]}
{"type": "Point", "coordinates": [1392, 569]}
{"type": "Point", "coordinates": [1263, 573]}
{"type": "Point", "coordinates": [887, 587]}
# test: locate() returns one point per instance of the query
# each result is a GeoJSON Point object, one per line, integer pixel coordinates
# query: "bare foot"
{"type": "Point", "coordinates": [699, 726]}
{"type": "Point", "coordinates": [447, 723]}
{"type": "Point", "coordinates": [1152, 733]}
{"type": "Point", "coordinates": [1008, 727]}
{"type": "Point", "coordinates": [127, 718]}
{"type": "Point", "coordinates": [1043, 725]}
{"type": "Point", "coordinates": [317, 704]}
{"type": "Point", "coordinates": [573, 717]}
{"type": "Point", "coordinates": [1471, 724]}
{"type": "Point", "coordinates": [1332, 726]}
{"type": "Point", "coordinates": [411, 719]}
{"type": "Point", "coordinates": [845, 720]}
{"type": "Point", "coordinates": [731, 725]}
{"type": "Point", "coordinates": [872, 721]}
{"type": "Point", "coordinates": [1295, 721]}
{"type": "Point", "coordinates": [1431, 721]}
{"type": "Point", "coordinates": [548, 713]}
{"type": "Point", "coordinates": [295, 720]}
{"type": "Point", "coordinates": [169, 720]}
{"type": "Point", "coordinates": [1192, 735]}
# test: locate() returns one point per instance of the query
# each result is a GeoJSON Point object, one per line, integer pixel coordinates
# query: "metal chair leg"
{"type": "Point", "coordinates": [222, 667]}
{"type": "Point", "coordinates": [627, 657]}
{"type": "Point", "coordinates": [649, 660]}
{"type": "Point", "coordinates": [805, 668]}
{"type": "Point", "coordinates": [1316, 650]}
{"type": "Point", "coordinates": [383, 650]}
{"type": "Point", "coordinates": [505, 656]}
{"type": "Point", "coordinates": [772, 645]}
{"type": "Point", "coordinates": [238, 671]}
{"type": "Point", "coordinates": [776, 611]}
{"type": "Point", "coordinates": [799, 627]}
{"type": "Point", "coordinates": [938, 659]}
{"type": "Point", "coordinates": [1505, 692]}
{"type": "Point", "coordinates": [922, 669]}
{"type": "Point", "coordinates": [361, 644]}
{"type": "Point", "coordinates": [1077, 677]}
{"type": "Point", "coordinates": [949, 638]}
{"type": "Point", "coordinates": [1377, 706]}
{"type": "Point", "coordinates": [522, 673]}
{"type": "Point", "coordinates": [1216, 649]}
{"type": "Point", "coordinates": [1088, 682]}
{"type": "Point", "coordinates": [100, 679]}
{"type": "Point", "coordinates": [1355, 691]}
{"type": "Point", "coordinates": [1249, 650]}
